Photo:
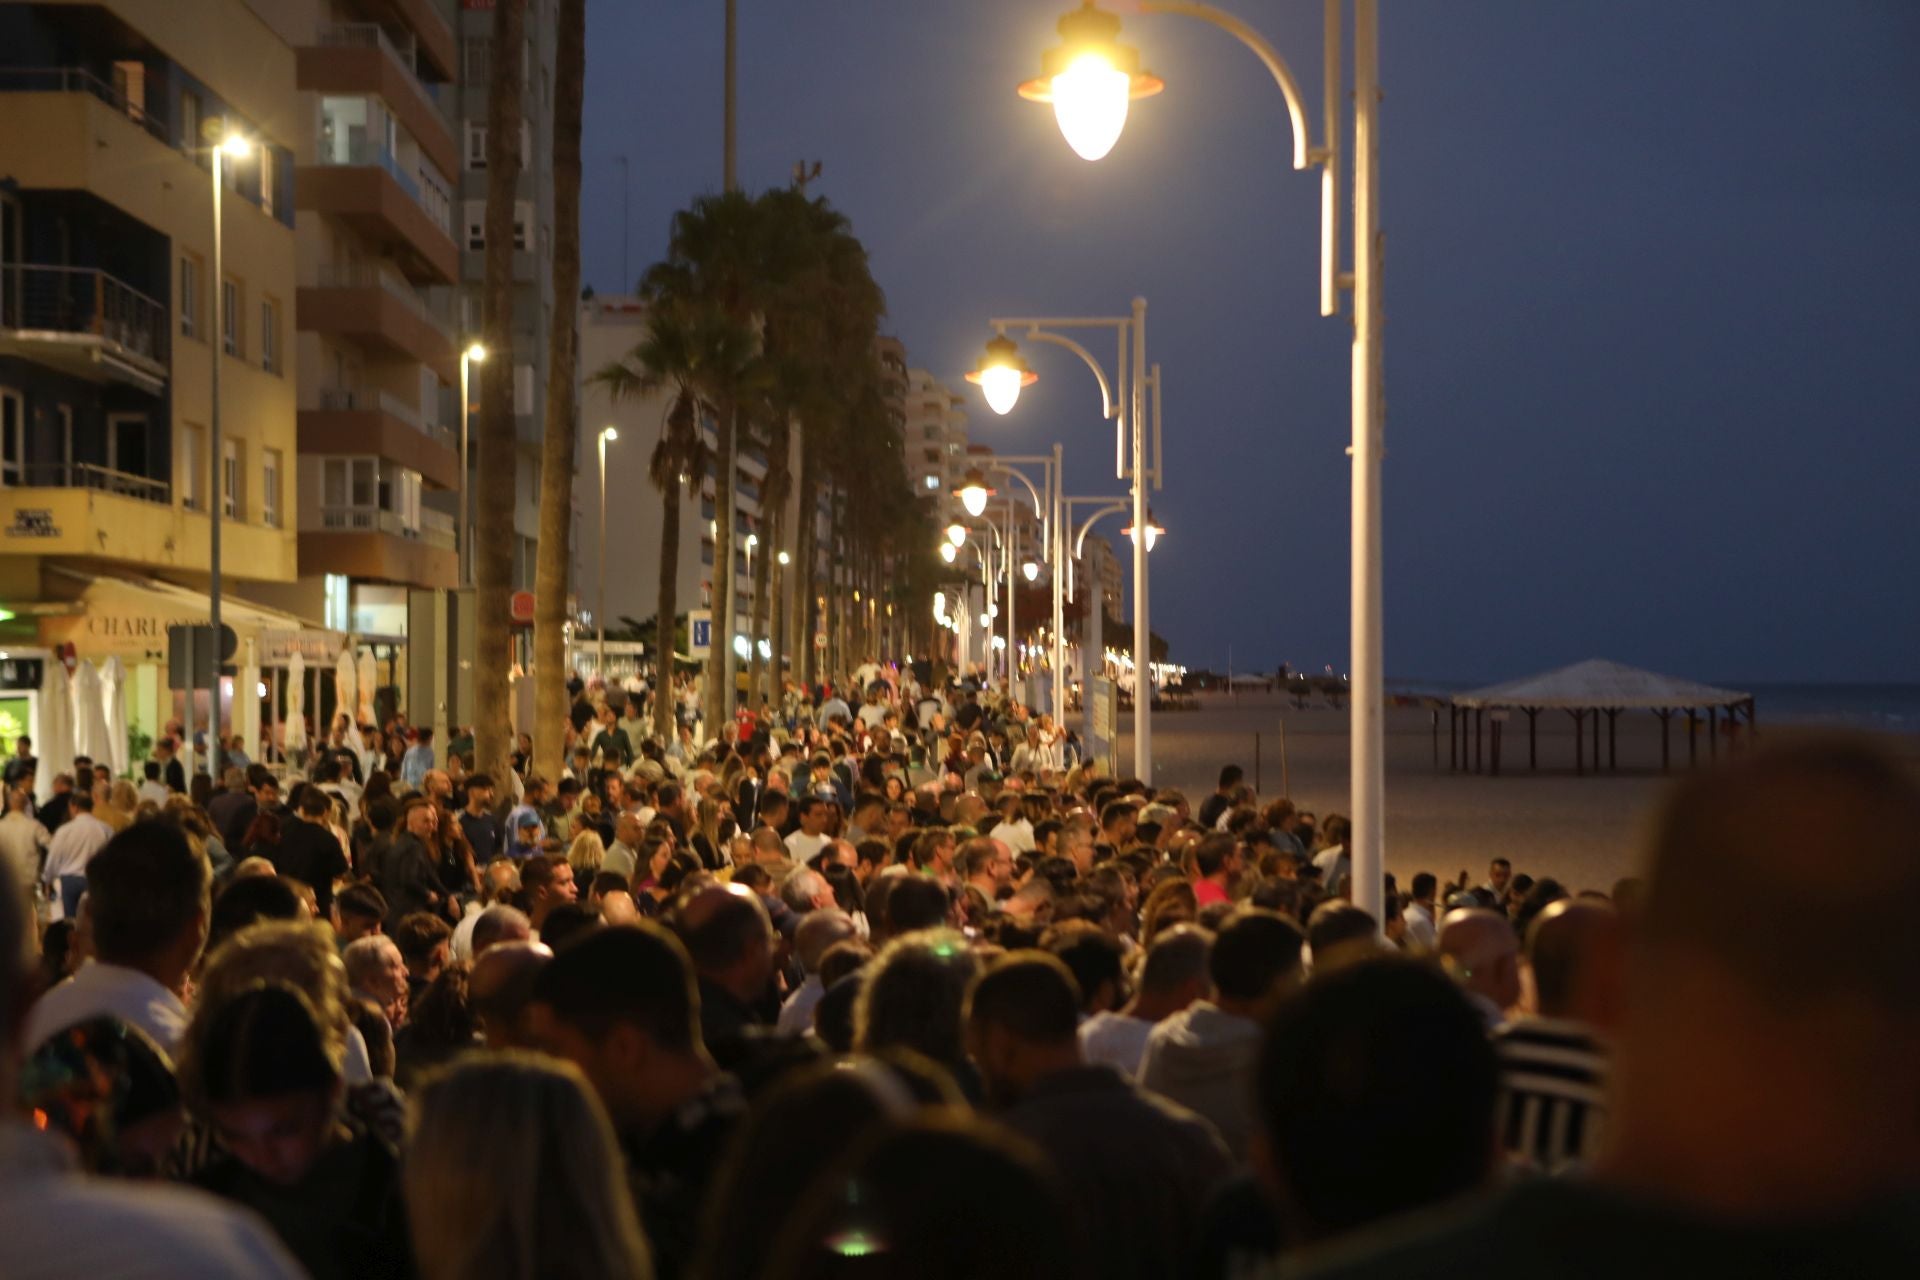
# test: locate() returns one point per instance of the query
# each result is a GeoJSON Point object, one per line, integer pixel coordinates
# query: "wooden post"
{"type": "Point", "coordinates": [1533, 739]}
{"type": "Point", "coordinates": [1666, 744]}
{"type": "Point", "coordinates": [1596, 739]}
{"type": "Point", "coordinates": [1498, 726]}
{"type": "Point", "coordinates": [1713, 733]}
{"type": "Point", "coordinates": [1693, 743]}
{"type": "Point", "coordinates": [1479, 739]}
{"type": "Point", "coordinates": [1436, 739]}
{"type": "Point", "coordinates": [1579, 741]}
{"type": "Point", "coordinates": [1613, 757]}
{"type": "Point", "coordinates": [1453, 738]}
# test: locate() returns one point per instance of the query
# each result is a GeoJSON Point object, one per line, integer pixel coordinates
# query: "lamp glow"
{"type": "Point", "coordinates": [611, 433]}
{"type": "Point", "coordinates": [476, 353]}
{"type": "Point", "coordinates": [784, 558]}
{"type": "Point", "coordinates": [1090, 105]}
{"type": "Point", "coordinates": [1153, 530]}
{"type": "Point", "coordinates": [1002, 374]}
{"type": "Point", "coordinates": [1089, 79]}
{"type": "Point", "coordinates": [957, 534]}
{"type": "Point", "coordinates": [1031, 570]}
{"type": "Point", "coordinates": [973, 493]}
{"type": "Point", "coordinates": [236, 147]}
{"type": "Point", "coordinates": [753, 540]}
{"type": "Point", "coordinates": [949, 552]}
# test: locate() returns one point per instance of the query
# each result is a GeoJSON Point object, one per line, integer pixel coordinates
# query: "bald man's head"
{"type": "Point", "coordinates": [1573, 947]}
{"type": "Point", "coordinates": [501, 988]}
{"type": "Point", "coordinates": [1479, 948]}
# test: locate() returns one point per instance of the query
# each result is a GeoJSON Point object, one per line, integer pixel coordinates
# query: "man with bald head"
{"type": "Point", "coordinates": [730, 938]}
{"type": "Point", "coordinates": [500, 991]}
{"type": "Point", "coordinates": [1762, 1115]}
{"type": "Point", "coordinates": [817, 931]}
{"type": "Point", "coordinates": [1478, 948]}
{"type": "Point", "coordinates": [1553, 1064]}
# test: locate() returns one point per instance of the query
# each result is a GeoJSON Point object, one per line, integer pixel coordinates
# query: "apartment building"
{"type": "Point", "coordinates": [533, 300]}
{"type": "Point", "coordinates": [378, 266]}
{"type": "Point", "coordinates": [936, 437]}
{"type": "Point", "coordinates": [108, 331]}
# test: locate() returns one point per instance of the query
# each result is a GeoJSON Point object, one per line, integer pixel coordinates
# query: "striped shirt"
{"type": "Point", "coordinates": [1552, 1105]}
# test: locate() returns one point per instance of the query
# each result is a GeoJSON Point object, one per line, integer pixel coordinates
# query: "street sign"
{"type": "Point", "coordinates": [819, 639]}
{"type": "Point", "coordinates": [699, 633]}
{"type": "Point", "coordinates": [520, 608]}
{"type": "Point", "coordinates": [190, 655]}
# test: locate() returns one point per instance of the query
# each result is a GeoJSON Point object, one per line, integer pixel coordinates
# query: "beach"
{"type": "Point", "coordinates": [1581, 830]}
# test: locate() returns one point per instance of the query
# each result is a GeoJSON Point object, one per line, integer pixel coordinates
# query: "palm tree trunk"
{"type": "Point", "coordinates": [777, 603]}
{"type": "Point", "coordinates": [806, 555]}
{"type": "Point", "coordinates": [493, 547]}
{"type": "Point", "coordinates": [666, 611]}
{"type": "Point", "coordinates": [554, 559]}
{"type": "Point", "coordinates": [757, 603]}
{"type": "Point", "coordinates": [719, 699]}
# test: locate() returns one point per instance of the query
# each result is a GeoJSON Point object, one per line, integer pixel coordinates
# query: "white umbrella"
{"type": "Point", "coordinates": [246, 702]}
{"type": "Point", "coordinates": [369, 681]}
{"type": "Point", "coordinates": [344, 680]}
{"type": "Point", "coordinates": [294, 732]}
{"type": "Point", "coordinates": [113, 681]}
{"type": "Point", "coordinates": [55, 747]}
{"type": "Point", "coordinates": [89, 715]}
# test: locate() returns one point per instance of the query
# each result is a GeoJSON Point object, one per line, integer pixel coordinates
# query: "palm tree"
{"type": "Point", "coordinates": [493, 545]}
{"type": "Point", "coordinates": [690, 352]}
{"type": "Point", "coordinates": [554, 559]}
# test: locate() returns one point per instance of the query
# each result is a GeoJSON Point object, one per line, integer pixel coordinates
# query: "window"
{"type": "Point", "coordinates": [523, 389]}
{"type": "Point", "coordinates": [232, 504]}
{"type": "Point", "coordinates": [270, 336]}
{"type": "Point", "coordinates": [476, 218]}
{"type": "Point", "coordinates": [266, 179]}
{"type": "Point", "coordinates": [13, 438]}
{"type": "Point", "coordinates": [63, 418]}
{"type": "Point", "coordinates": [477, 60]}
{"type": "Point", "coordinates": [193, 454]}
{"type": "Point", "coordinates": [522, 219]}
{"type": "Point", "coordinates": [189, 295]}
{"type": "Point", "coordinates": [476, 145]}
{"type": "Point", "coordinates": [230, 316]}
{"type": "Point", "coordinates": [270, 488]}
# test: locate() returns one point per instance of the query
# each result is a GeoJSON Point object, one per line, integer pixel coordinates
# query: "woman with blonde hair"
{"type": "Point", "coordinates": [586, 855]}
{"type": "Point", "coordinates": [535, 1190]}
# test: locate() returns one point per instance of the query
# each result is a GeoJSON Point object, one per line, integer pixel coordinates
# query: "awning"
{"type": "Point", "coordinates": [111, 616]}
{"type": "Point", "coordinates": [1599, 683]}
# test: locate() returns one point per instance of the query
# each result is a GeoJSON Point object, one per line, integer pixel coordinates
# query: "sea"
{"type": "Point", "coordinates": [1889, 708]}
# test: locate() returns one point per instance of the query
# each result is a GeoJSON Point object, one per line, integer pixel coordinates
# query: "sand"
{"type": "Point", "coordinates": [1582, 831]}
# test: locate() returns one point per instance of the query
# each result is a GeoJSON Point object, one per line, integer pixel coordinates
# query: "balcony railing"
{"type": "Point", "coordinates": [78, 80]}
{"type": "Point", "coordinates": [435, 529]}
{"type": "Point", "coordinates": [361, 276]}
{"type": "Point", "coordinates": [369, 35]}
{"type": "Point", "coordinates": [70, 300]}
{"type": "Point", "coordinates": [350, 398]}
{"type": "Point", "coordinates": [85, 475]}
{"type": "Point", "coordinates": [426, 187]}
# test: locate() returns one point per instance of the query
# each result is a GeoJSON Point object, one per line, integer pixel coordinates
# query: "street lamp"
{"type": "Point", "coordinates": [1089, 80]}
{"type": "Point", "coordinates": [1128, 398]}
{"type": "Point", "coordinates": [1153, 530]}
{"type": "Point", "coordinates": [949, 552]}
{"type": "Point", "coordinates": [957, 533]}
{"type": "Point", "coordinates": [1001, 375]}
{"type": "Point", "coordinates": [473, 355]}
{"type": "Point", "coordinates": [1030, 570]}
{"type": "Point", "coordinates": [1089, 33]}
{"type": "Point", "coordinates": [606, 434]}
{"type": "Point", "coordinates": [973, 494]}
{"type": "Point", "coordinates": [233, 146]}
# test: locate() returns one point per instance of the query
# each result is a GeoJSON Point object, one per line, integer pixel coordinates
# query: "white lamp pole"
{"type": "Point", "coordinates": [1089, 81]}
{"type": "Point", "coordinates": [473, 355]}
{"type": "Point", "coordinates": [237, 147]}
{"type": "Point", "coordinates": [600, 609]}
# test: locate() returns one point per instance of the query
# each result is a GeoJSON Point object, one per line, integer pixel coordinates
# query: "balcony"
{"type": "Point", "coordinates": [362, 304]}
{"type": "Point", "coordinates": [373, 422]}
{"type": "Point", "coordinates": [359, 58]}
{"type": "Point", "coordinates": [90, 513]}
{"type": "Point", "coordinates": [79, 80]}
{"type": "Point", "coordinates": [84, 322]}
{"type": "Point", "coordinates": [373, 544]}
{"type": "Point", "coordinates": [438, 46]}
{"type": "Point", "coordinates": [374, 194]}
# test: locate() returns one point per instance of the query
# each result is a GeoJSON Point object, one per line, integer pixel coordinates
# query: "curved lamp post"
{"type": "Point", "coordinates": [1082, 80]}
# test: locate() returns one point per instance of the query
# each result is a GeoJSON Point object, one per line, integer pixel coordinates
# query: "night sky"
{"type": "Point", "coordinates": [1652, 295]}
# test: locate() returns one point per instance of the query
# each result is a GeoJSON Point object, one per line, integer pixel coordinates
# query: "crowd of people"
{"type": "Point", "coordinates": [890, 984]}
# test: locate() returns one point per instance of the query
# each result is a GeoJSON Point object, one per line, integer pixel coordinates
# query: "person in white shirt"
{"type": "Point", "coordinates": [80, 837]}
{"type": "Point", "coordinates": [1422, 936]}
{"type": "Point", "coordinates": [22, 838]}
{"type": "Point", "coordinates": [148, 896]}
{"type": "Point", "coordinates": [57, 1223]}
{"type": "Point", "coordinates": [811, 838]}
{"type": "Point", "coordinates": [817, 931]}
{"type": "Point", "coordinates": [1172, 977]}
{"type": "Point", "coordinates": [151, 787]}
